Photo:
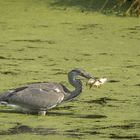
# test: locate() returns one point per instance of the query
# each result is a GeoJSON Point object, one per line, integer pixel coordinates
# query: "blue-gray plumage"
{"type": "Point", "coordinates": [39, 97]}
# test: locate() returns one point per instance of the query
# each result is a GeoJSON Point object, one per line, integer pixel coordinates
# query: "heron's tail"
{"type": "Point", "coordinates": [3, 96]}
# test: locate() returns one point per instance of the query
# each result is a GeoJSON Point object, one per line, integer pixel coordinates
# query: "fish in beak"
{"type": "Point", "coordinates": [96, 82]}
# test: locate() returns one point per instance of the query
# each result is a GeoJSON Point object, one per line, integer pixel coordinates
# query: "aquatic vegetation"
{"type": "Point", "coordinates": [42, 42]}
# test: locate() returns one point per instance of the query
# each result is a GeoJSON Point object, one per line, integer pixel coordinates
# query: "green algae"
{"type": "Point", "coordinates": [39, 42]}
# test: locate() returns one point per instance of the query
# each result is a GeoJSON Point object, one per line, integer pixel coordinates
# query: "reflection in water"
{"type": "Point", "coordinates": [75, 133]}
{"type": "Point", "coordinates": [21, 129]}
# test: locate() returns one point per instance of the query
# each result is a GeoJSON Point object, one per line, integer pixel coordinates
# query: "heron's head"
{"type": "Point", "coordinates": [81, 72]}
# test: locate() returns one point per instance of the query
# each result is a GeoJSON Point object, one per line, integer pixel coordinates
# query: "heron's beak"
{"type": "Point", "coordinates": [87, 75]}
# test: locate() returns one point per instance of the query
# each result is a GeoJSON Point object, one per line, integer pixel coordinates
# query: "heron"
{"type": "Point", "coordinates": [42, 96]}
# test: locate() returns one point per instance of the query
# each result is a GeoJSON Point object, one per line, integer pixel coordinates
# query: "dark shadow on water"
{"type": "Point", "coordinates": [2, 46]}
{"type": "Point", "coordinates": [8, 73]}
{"type": "Point", "coordinates": [90, 27]}
{"type": "Point", "coordinates": [74, 133]}
{"type": "Point", "coordinates": [92, 132]}
{"type": "Point", "coordinates": [58, 73]}
{"type": "Point", "coordinates": [78, 59]}
{"type": "Point", "coordinates": [11, 64]}
{"type": "Point", "coordinates": [59, 114]}
{"type": "Point", "coordinates": [20, 50]}
{"type": "Point", "coordinates": [41, 26]}
{"type": "Point", "coordinates": [31, 47]}
{"type": "Point", "coordinates": [101, 101]}
{"type": "Point", "coordinates": [113, 81]}
{"type": "Point", "coordinates": [125, 126]}
{"type": "Point", "coordinates": [130, 137]}
{"type": "Point", "coordinates": [2, 57]}
{"type": "Point", "coordinates": [66, 23]}
{"type": "Point", "coordinates": [56, 69]}
{"type": "Point", "coordinates": [22, 129]}
{"type": "Point", "coordinates": [53, 113]}
{"type": "Point", "coordinates": [8, 58]}
{"type": "Point", "coordinates": [138, 85]}
{"type": "Point", "coordinates": [132, 66]}
{"type": "Point", "coordinates": [51, 65]}
{"type": "Point", "coordinates": [135, 28]}
{"type": "Point", "coordinates": [104, 53]}
{"type": "Point", "coordinates": [10, 111]}
{"type": "Point", "coordinates": [66, 59]}
{"type": "Point", "coordinates": [90, 116]}
{"type": "Point", "coordinates": [68, 107]}
{"type": "Point", "coordinates": [86, 54]}
{"type": "Point", "coordinates": [35, 41]}
{"type": "Point", "coordinates": [77, 133]}
{"type": "Point", "coordinates": [25, 129]}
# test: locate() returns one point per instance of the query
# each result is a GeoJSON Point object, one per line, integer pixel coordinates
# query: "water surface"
{"type": "Point", "coordinates": [42, 42]}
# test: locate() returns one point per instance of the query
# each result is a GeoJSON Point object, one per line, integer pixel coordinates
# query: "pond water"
{"type": "Point", "coordinates": [41, 41]}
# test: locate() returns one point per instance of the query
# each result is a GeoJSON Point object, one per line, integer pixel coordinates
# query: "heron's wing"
{"type": "Point", "coordinates": [36, 96]}
{"type": "Point", "coordinates": [4, 96]}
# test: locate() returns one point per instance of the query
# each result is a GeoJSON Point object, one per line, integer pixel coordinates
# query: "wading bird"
{"type": "Point", "coordinates": [40, 97]}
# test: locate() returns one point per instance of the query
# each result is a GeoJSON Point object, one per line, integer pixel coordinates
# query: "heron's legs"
{"type": "Point", "coordinates": [42, 113]}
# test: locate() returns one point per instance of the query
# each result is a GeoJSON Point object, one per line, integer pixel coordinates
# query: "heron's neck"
{"type": "Point", "coordinates": [77, 86]}
{"type": "Point", "coordinates": [75, 83]}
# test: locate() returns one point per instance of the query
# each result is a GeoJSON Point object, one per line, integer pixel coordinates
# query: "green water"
{"type": "Point", "coordinates": [42, 42]}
